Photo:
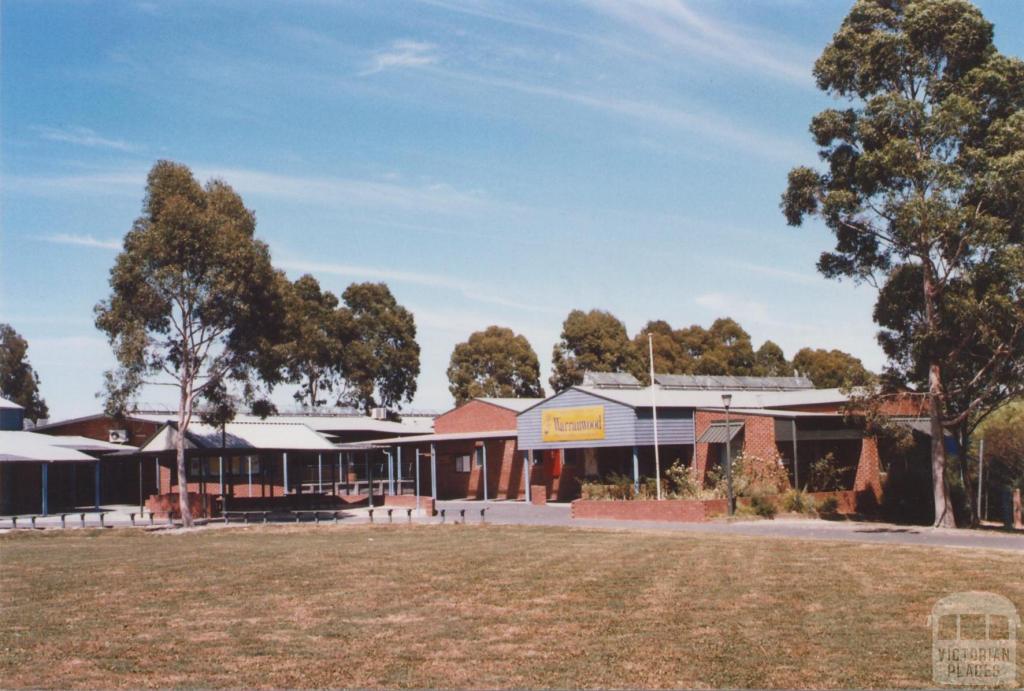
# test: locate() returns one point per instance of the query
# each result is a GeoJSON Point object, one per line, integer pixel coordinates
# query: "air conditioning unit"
{"type": "Point", "coordinates": [379, 413]}
{"type": "Point", "coordinates": [118, 436]}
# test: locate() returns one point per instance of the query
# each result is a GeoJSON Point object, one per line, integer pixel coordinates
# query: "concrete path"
{"type": "Point", "coordinates": [518, 513]}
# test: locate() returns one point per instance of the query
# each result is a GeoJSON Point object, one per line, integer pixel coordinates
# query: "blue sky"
{"type": "Point", "coordinates": [494, 163]}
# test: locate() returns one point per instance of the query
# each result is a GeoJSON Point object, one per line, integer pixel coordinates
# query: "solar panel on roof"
{"type": "Point", "coordinates": [732, 383]}
{"type": "Point", "coordinates": [610, 379]}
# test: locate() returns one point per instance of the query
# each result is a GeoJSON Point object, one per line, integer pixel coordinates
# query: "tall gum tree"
{"type": "Point", "coordinates": [18, 381]}
{"type": "Point", "coordinates": [195, 303]}
{"type": "Point", "coordinates": [494, 362]}
{"type": "Point", "coordinates": [923, 191]}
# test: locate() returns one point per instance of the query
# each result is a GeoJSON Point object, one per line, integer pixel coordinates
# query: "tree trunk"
{"type": "Point", "coordinates": [940, 493]}
{"type": "Point", "coordinates": [184, 415]}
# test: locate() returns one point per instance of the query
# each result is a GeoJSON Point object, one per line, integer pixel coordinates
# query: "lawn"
{"type": "Point", "coordinates": [481, 606]}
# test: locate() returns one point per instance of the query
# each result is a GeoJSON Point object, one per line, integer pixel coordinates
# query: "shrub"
{"type": "Point", "coordinates": [751, 475]}
{"type": "Point", "coordinates": [680, 481]}
{"type": "Point", "coordinates": [762, 506]}
{"type": "Point", "coordinates": [796, 501]}
{"type": "Point", "coordinates": [826, 476]}
{"type": "Point", "coordinates": [829, 506]}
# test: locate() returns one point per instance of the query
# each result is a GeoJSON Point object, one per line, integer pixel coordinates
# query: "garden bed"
{"type": "Point", "coordinates": [700, 510]}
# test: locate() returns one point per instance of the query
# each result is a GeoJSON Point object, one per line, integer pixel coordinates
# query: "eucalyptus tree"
{"type": "Point", "coordinates": [18, 381]}
{"type": "Point", "coordinates": [494, 362]}
{"type": "Point", "coordinates": [923, 193]}
{"type": "Point", "coordinates": [593, 341]}
{"type": "Point", "coordinates": [383, 361]}
{"type": "Point", "coordinates": [195, 303]}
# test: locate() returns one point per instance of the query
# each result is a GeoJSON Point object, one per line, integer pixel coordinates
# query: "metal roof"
{"type": "Point", "coordinates": [452, 436]}
{"type": "Point", "coordinates": [716, 433]}
{"type": "Point", "coordinates": [33, 447]}
{"type": "Point", "coordinates": [71, 441]}
{"type": "Point", "coordinates": [322, 423]}
{"type": "Point", "coordinates": [693, 398]}
{"type": "Point", "coordinates": [268, 436]}
{"type": "Point", "coordinates": [610, 379]}
{"type": "Point", "coordinates": [4, 403]}
{"type": "Point", "coordinates": [516, 404]}
{"type": "Point", "coordinates": [731, 383]}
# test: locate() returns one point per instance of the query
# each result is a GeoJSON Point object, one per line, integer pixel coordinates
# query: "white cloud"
{"type": "Point", "coordinates": [83, 241]}
{"type": "Point", "coordinates": [325, 190]}
{"type": "Point", "coordinates": [401, 54]}
{"type": "Point", "coordinates": [677, 24]}
{"type": "Point", "coordinates": [468, 290]}
{"type": "Point", "coordinates": [703, 123]}
{"type": "Point", "coordinates": [83, 136]}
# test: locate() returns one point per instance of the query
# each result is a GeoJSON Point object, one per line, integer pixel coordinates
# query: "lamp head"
{"type": "Point", "coordinates": [727, 400]}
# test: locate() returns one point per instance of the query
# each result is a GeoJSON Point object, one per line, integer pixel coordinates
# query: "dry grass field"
{"type": "Point", "coordinates": [480, 606]}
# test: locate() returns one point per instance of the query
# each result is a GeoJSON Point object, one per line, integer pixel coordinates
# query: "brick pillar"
{"type": "Point", "coordinates": [869, 475]}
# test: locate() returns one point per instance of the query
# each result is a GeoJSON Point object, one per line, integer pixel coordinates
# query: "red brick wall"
{"type": "Point", "coordinates": [475, 416]}
{"type": "Point", "coordinates": [642, 510]}
{"type": "Point", "coordinates": [868, 469]}
{"type": "Point", "coordinates": [504, 470]}
{"type": "Point", "coordinates": [758, 437]}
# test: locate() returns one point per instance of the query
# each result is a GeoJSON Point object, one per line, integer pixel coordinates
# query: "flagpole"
{"type": "Point", "coordinates": [654, 412]}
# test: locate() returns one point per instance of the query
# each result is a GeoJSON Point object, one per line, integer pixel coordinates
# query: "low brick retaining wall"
{"type": "Point", "coordinates": [408, 501]}
{"type": "Point", "coordinates": [698, 510]}
{"type": "Point", "coordinates": [683, 510]}
{"type": "Point", "coordinates": [201, 506]}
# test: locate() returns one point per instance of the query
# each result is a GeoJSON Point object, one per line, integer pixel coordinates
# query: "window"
{"type": "Point", "coordinates": [234, 466]}
{"type": "Point", "coordinates": [462, 464]}
{"type": "Point", "coordinates": [480, 457]}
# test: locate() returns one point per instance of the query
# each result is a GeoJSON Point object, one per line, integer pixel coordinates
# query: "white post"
{"type": "Point", "coordinates": [527, 462]}
{"type": "Point", "coordinates": [398, 462]}
{"type": "Point", "coordinates": [417, 478]}
{"type": "Point", "coordinates": [654, 412]}
{"type": "Point", "coordinates": [320, 473]}
{"type": "Point", "coordinates": [248, 461]}
{"type": "Point", "coordinates": [220, 472]}
{"type": "Point", "coordinates": [483, 449]}
{"type": "Point", "coordinates": [981, 470]}
{"type": "Point", "coordinates": [433, 473]}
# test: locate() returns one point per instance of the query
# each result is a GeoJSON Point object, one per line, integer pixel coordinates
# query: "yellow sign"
{"type": "Point", "coordinates": [572, 424]}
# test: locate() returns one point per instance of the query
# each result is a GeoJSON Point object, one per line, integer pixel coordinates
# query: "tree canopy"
{"type": "Point", "coordinates": [195, 303]}
{"type": "Point", "coordinates": [494, 362]}
{"type": "Point", "coordinates": [831, 369]}
{"type": "Point", "coordinates": [594, 341]}
{"type": "Point", "coordinates": [319, 335]}
{"type": "Point", "coordinates": [384, 359]}
{"type": "Point", "coordinates": [923, 193]}
{"type": "Point", "coordinates": [19, 383]}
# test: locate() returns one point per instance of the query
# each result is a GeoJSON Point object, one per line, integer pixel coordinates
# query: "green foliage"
{"type": "Point", "coordinates": [614, 487]}
{"type": "Point", "coordinates": [922, 191]}
{"type": "Point", "coordinates": [762, 505]}
{"type": "Point", "coordinates": [751, 475]}
{"type": "Point", "coordinates": [193, 295]}
{"type": "Point", "coordinates": [593, 341]}
{"type": "Point", "coordinates": [770, 361]}
{"type": "Point", "coordinates": [495, 362]}
{"type": "Point", "coordinates": [18, 381]}
{"type": "Point", "coordinates": [829, 507]}
{"type": "Point", "coordinates": [831, 369]}
{"type": "Point", "coordinates": [383, 362]}
{"type": "Point", "coordinates": [680, 481]}
{"type": "Point", "coordinates": [825, 475]}
{"type": "Point", "coordinates": [319, 335]}
{"type": "Point", "coordinates": [1004, 447]}
{"type": "Point", "coordinates": [796, 501]}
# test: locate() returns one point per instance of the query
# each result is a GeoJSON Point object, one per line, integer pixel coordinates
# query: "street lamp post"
{"type": "Point", "coordinates": [727, 401]}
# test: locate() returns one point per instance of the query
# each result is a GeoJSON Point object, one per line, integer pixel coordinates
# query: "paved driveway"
{"type": "Point", "coordinates": [518, 513]}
